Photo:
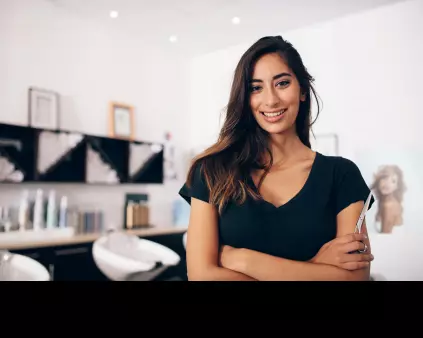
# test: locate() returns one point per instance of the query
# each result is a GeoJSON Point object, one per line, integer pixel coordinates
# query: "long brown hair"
{"type": "Point", "coordinates": [226, 166]}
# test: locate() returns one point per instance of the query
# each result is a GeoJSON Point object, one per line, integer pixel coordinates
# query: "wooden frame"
{"type": "Point", "coordinates": [113, 132]}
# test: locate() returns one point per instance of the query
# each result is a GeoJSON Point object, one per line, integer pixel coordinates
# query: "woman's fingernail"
{"type": "Point", "coordinates": [365, 236]}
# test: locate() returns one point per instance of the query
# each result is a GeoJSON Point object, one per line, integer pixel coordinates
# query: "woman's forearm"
{"type": "Point", "coordinates": [216, 273]}
{"type": "Point", "coordinates": [265, 267]}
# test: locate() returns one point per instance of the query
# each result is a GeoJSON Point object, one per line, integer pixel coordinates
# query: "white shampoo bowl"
{"type": "Point", "coordinates": [23, 268]}
{"type": "Point", "coordinates": [119, 255]}
{"type": "Point", "coordinates": [184, 240]}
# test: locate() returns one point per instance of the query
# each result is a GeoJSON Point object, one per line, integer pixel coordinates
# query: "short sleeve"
{"type": "Point", "coordinates": [198, 188]}
{"type": "Point", "coordinates": [350, 185]}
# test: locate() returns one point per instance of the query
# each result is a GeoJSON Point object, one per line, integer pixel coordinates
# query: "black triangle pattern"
{"type": "Point", "coordinates": [71, 167]}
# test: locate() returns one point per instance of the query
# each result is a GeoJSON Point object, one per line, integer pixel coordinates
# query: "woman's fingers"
{"type": "Point", "coordinates": [353, 246]}
{"type": "Point", "coordinates": [351, 238]}
{"type": "Point", "coordinates": [355, 265]}
{"type": "Point", "coordinates": [358, 257]}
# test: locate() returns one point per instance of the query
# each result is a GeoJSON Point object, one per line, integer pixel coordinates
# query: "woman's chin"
{"type": "Point", "coordinates": [276, 128]}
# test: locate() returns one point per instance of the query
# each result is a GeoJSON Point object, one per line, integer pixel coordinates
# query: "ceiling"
{"type": "Point", "coordinates": [205, 25]}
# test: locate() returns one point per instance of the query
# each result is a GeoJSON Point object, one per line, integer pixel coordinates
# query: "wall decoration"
{"type": "Point", "coordinates": [17, 155]}
{"type": "Point", "coordinates": [55, 149]}
{"type": "Point", "coordinates": [170, 172]}
{"type": "Point", "coordinates": [30, 154]}
{"type": "Point", "coordinates": [8, 169]}
{"type": "Point", "coordinates": [43, 109]}
{"type": "Point", "coordinates": [106, 160]}
{"type": "Point", "coordinates": [139, 155]}
{"type": "Point", "coordinates": [145, 160]}
{"type": "Point", "coordinates": [389, 187]}
{"type": "Point", "coordinates": [326, 144]}
{"type": "Point", "coordinates": [121, 121]}
{"type": "Point", "coordinates": [98, 170]}
{"type": "Point", "coordinates": [60, 156]}
{"type": "Point", "coordinates": [395, 178]}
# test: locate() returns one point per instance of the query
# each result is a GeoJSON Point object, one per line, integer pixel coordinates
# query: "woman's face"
{"type": "Point", "coordinates": [388, 184]}
{"type": "Point", "coordinates": [275, 94]}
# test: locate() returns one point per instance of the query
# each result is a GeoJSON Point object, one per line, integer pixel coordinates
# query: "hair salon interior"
{"type": "Point", "coordinates": [104, 103]}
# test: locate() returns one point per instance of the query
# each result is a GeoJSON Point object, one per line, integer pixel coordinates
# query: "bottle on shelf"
{"type": "Point", "coordinates": [38, 221]}
{"type": "Point", "coordinates": [23, 216]}
{"type": "Point", "coordinates": [51, 222]}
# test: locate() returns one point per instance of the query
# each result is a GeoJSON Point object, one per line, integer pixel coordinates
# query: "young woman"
{"type": "Point", "coordinates": [264, 206]}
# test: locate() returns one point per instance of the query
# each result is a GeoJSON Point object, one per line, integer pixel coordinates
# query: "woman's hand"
{"type": "Point", "coordinates": [337, 252]}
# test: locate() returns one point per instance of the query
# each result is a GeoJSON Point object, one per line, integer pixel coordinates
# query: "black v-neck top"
{"type": "Point", "coordinates": [300, 227]}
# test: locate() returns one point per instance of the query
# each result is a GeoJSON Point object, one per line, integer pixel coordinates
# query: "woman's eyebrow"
{"type": "Point", "coordinates": [274, 78]}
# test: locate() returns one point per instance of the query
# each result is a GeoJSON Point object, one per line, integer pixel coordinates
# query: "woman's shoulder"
{"type": "Point", "coordinates": [337, 160]}
{"type": "Point", "coordinates": [195, 185]}
{"type": "Point", "coordinates": [339, 165]}
{"type": "Point", "coordinates": [347, 181]}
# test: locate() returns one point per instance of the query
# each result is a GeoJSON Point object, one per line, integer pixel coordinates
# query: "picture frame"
{"type": "Point", "coordinates": [121, 121]}
{"type": "Point", "coordinates": [43, 108]}
{"type": "Point", "coordinates": [326, 144]}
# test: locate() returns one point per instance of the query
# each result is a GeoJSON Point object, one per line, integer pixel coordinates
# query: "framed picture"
{"type": "Point", "coordinates": [393, 173]}
{"type": "Point", "coordinates": [326, 144]}
{"type": "Point", "coordinates": [43, 109]}
{"type": "Point", "coordinates": [121, 121]}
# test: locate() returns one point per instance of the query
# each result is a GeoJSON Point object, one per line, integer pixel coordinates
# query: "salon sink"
{"type": "Point", "coordinates": [184, 240]}
{"type": "Point", "coordinates": [15, 267]}
{"type": "Point", "coordinates": [124, 257]}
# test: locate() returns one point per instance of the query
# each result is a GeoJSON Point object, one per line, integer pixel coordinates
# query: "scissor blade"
{"type": "Point", "coordinates": [363, 214]}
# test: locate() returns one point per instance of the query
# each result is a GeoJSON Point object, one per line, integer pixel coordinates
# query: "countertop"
{"type": "Point", "coordinates": [85, 238]}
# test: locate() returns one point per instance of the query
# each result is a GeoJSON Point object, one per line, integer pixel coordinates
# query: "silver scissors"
{"type": "Point", "coordinates": [363, 214]}
{"type": "Point", "coordinates": [361, 220]}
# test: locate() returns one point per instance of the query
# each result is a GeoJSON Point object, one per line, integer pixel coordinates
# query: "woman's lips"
{"type": "Point", "coordinates": [273, 117]}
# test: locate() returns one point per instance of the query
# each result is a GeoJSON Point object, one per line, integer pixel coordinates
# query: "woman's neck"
{"type": "Point", "coordinates": [287, 147]}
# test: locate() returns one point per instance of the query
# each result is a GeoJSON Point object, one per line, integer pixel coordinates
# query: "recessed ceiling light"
{"type": "Point", "coordinates": [236, 20]}
{"type": "Point", "coordinates": [114, 14]}
{"type": "Point", "coordinates": [173, 38]}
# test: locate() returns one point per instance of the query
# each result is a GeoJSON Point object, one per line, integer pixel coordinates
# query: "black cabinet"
{"type": "Point", "coordinates": [76, 262]}
{"type": "Point", "coordinates": [42, 255]}
{"type": "Point", "coordinates": [42, 155]}
{"type": "Point", "coordinates": [67, 263]}
{"type": "Point", "coordinates": [18, 153]}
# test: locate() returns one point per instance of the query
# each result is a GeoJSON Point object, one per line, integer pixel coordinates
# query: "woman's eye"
{"type": "Point", "coordinates": [254, 88]}
{"type": "Point", "coordinates": [283, 83]}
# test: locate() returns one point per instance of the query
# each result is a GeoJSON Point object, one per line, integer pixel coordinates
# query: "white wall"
{"type": "Point", "coordinates": [368, 73]}
{"type": "Point", "coordinates": [367, 68]}
{"type": "Point", "coordinates": [50, 47]}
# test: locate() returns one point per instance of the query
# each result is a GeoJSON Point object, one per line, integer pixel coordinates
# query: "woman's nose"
{"type": "Point", "coordinates": [271, 99]}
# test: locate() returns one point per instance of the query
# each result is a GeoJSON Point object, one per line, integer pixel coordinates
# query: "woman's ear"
{"type": "Point", "coordinates": [302, 96]}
